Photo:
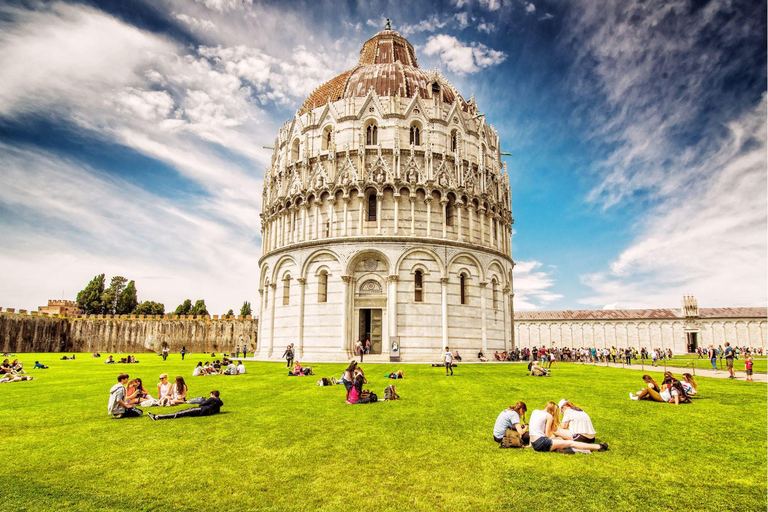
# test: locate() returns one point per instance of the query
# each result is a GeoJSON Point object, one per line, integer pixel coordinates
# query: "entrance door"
{"type": "Point", "coordinates": [693, 341]}
{"type": "Point", "coordinates": [370, 328]}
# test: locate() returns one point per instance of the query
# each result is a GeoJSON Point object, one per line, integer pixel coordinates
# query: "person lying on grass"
{"type": "Point", "coordinates": [689, 385]}
{"type": "Point", "coordinates": [577, 422]}
{"type": "Point", "coordinates": [548, 436]}
{"type": "Point", "coordinates": [396, 375]}
{"type": "Point", "coordinates": [118, 407]}
{"type": "Point", "coordinates": [39, 366]}
{"type": "Point", "coordinates": [299, 371]}
{"type": "Point", "coordinates": [65, 358]}
{"type": "Point", "coordinates": [671, 391]}
{"type": "Point", "coordinates": [512, 418]}
{"type": "Point", "coordinates": [136, 392]}
{"type": "Point", "coordinates": [211, 406]}
{"type": "Point", "coordinates": [8, 377]}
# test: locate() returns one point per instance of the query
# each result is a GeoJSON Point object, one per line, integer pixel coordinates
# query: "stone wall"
{"type": "Point", "coordinates": [100, 333]}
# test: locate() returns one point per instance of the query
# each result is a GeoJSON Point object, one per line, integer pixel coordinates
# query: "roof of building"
{"type": "Point", "coordinates": [388, 66]}
{"type": "Point", "coordinates": [638, 314]}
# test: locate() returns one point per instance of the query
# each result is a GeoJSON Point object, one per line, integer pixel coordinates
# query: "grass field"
{"type": "Point", "coordinates": [283, 443]}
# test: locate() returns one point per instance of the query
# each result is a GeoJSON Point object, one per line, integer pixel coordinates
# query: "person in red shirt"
{"type": "Point", "coordinates": [748, 365]}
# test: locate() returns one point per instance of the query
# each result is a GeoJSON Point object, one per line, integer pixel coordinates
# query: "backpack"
{"type": "Point", "coordinates": [511, 439]}
{"type": "Point", "coordinates": [390, 393]}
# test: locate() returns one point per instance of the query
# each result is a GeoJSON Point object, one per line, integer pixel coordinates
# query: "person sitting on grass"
{"type": "Point", "coordinates": [18, 367]}
{"type": "Point", "coordinates": [396, 375]}
{"type": "Point", "coordinates": [39, 366]}
{"type": "Point", "coordinates": [672, 390]}
{"type": "Point", "coordinates": [496, 356]}
{"type": "Point", "coordinates": [456, 356]}
{"type": "Point", "coordinates": [535, 370]}
{"type": "Point", "coordinates": [179, 394]}
{"type": "Point", "coordinates": [95, 354]}
{"type": "Point", "coordinates": [199, 370]}
{"type": "Point", "coordinates": [577, 422]}
{"type": "Point", "coordinates": [136, 393]}
{"type": "Point", "coordinates": [547, 436]}
{"type": "Point", "coordinates": [211, 406]}
{"type": "Point", "coordinates": [110, 360]}
{"type": "Point", "coordinates": [164, 390]}
{"type": "Point", "coordinates": [118, 407]}
{"type": "Point", "coordinates": [231, 369]}
{"type": "Point", "coordinates": [649, 392]}
{"type": "Point", "coordinates": [240, 368]}
{"type": "Point", "coordinates": [348, 378]}
{"type": "Point", "coordinates": [689, 385]}
{"type": "Point", "coordinates": [300, 371]}
{"type": "Point", "coordinates": [325, 381]}
{"type": "Point", "coordinates": [512, 418]}
{"type": "Point", "coordinates": [355, 394]}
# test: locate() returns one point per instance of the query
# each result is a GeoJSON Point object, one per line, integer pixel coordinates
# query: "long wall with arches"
{"type": "Point", "coordinates": [422, 297]}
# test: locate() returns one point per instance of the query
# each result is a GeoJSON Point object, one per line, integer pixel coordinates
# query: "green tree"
{"type": "Point", "coordinates": [230, 313]}
{"type": "Point", "coordinates": [246, 309]}
{"type": "Point", "coordinates": [149, 308]}
{"type": "Point", "coordinates": [199, 308]}
{"type": "Point", "coordinates": [112, 294]}
{"type": "Point", "coordinates": [184, 308]}
{"type": "Point", "coordinates": [89, 298]}
{"type": "Point", "coordinates": [127, 300]}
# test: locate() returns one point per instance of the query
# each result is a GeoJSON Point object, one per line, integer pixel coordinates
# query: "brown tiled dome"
{"type": "Point", "coordinates": [387, 65]}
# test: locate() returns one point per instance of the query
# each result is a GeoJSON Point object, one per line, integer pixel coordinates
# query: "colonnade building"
{"type": "Point", "coordinates": [386, 217]}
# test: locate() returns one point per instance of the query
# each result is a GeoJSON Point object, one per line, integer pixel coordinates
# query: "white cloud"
{"type": "Point", "coordinates": [196, 23]}
{"type": "Point", "coordinates": [462, 20]}
{"type": "Point", "coordinates": [530, 8]}
{"type": "Point", "coordinates": [225, 5]}
{"type": "Point", "coordinates": [546, 16]}
{"type": "Point", "coordinates": [533, 286]}
{"type": "Point", "coordinates": [491, 5]}
{"type": "Point", "coordinates": [486, 27]}
{"type": "Point", "coordinates": [462, 58]}
{"type": "Point", "coordinates": [430, 24]}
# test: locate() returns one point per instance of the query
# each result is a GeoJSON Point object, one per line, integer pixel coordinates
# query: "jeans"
{"type": "Point", "coordinates": [131, 413]}
{"type": "Point", "coordinates": [714, 363]}
{"type": "Point", "coordinates": [194, 411]}
{"type": "Point", "coordinates": [290, 362]}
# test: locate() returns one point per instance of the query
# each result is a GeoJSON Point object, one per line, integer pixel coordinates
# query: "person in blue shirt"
{"type": "Point", "coordinates": [39, 366]}
{"type": "Point", "coordinates": [728, 353]}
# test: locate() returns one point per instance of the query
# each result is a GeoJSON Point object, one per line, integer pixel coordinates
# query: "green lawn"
{"type": "Point", "coordinates": [285, 444]}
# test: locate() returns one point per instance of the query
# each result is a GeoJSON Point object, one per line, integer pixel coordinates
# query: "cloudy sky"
{"type": "Point", "coordinates": [131, 139]}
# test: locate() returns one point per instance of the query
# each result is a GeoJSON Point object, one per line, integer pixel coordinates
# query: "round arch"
{"type": "Point", "coordinates": [425, 250]}
{"type": "Point", "coordinates": [480, 268]}
{"type": "Point", "coordinates": [312, 257]}
{"type": "Point", "coordinates": [350, 269]}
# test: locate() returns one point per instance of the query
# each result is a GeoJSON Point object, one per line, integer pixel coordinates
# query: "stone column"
{"type": "Point", "coordinates": [292, 224]}
{"type": "Point", "coordinates": [428, 200]}
{"type": "Point", "coordinates": [346, 208]}
{"type": "Point", "coordinates": [483, 329]}
{"type": "Point", "coordinates": [397, 210]}
{"type": "Point", "coordinates": [272, 321]}
{"type": "Point", "coordinates": [379, 200]}
{"type": "Point", "coordinates": [300, 339]}
{"type": "Point", "coordinates": [346, 313]}
{"type": "Point", "coordinates": [332, 217]}
{"type": "Point", "coordinates": [459, 208]}
{"type": "Point", "coordinates": [490, 228]}
{"type": "Point", "coordinates": [303, 228]}
{"type": "Point", "coordinates": [444, 204]}
{"type": "Point", "coordinates": [318, 218]}
{"type": "Point", "coordinates": [508, 325]}
{"type": "Point", "coordinates": [260, 332]}
{"type": "Point", "coordinates": [471, 208]}
{"type": "Point", "coordinates": [391, 309]}
{"type": "Point", "coordinates": [360, 216]}
{"type": "Point", "coordinates": [444, 307]}
{"type": "Point", "coordinates": [481, 211]}
{"type": "Point", "coordinates": [413, 216]}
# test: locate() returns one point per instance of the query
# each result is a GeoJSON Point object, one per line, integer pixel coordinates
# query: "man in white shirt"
{"type": "Point", "coordinates": [240, 368]}
{"type": "Point", "coordinates": [448, 358]}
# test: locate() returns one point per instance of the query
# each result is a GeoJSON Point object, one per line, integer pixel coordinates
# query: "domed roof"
{"type": "Point", "coordinates": [387, 65]}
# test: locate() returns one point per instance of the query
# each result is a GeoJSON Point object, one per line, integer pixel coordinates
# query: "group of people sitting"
{"type": "Point", "coordinates": [131, 359]}
{"type": "Point", "coordinates": [227, 367]}
{"type": "Point", "coordinates": [13, 372]}
{"type": "Point", "coordinates": [536, 370]}
{"type": "Point", "coordinates": [300, 371]}
{"type": "Point", "coordinates": [671, 391]}
{"type": "Point", "coordinates": [547, 430]}
{"type": "Point", "coordinates": [127, 395]}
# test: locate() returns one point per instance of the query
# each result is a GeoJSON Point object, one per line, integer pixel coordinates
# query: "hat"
{"type": "Point", "coordinates": [163, 375]}
{"type": "Point", "coordinates": [561, 402]}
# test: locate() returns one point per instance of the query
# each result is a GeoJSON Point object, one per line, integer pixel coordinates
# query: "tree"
{"type": "Point", "coordinates": [230, 313]}
{"type": "Point", "coordinates": [89, 298]}
{"type": "Point", "coordinates": [199, 308]}
{"type": "Point", "coordinates": [184, 308]}
{"type": "Point", "coordinates": [246, 309]}
{"type": "Point", "coordinates": [127, 300]}
{"type": "Point", "coordinates": [149, 308]}
{"type": "Point", "coordinates": [112, 294]}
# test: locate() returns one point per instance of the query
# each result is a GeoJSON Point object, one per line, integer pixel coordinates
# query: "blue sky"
{"type": "Point", "coordinates": [131, 139]}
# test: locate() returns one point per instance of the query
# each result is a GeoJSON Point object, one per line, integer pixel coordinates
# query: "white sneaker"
{"type": "Point", "coordinates": [633, 397]}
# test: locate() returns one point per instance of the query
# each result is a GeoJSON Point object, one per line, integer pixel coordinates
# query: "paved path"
{"type": "Point", "coordinates": [679, 370]}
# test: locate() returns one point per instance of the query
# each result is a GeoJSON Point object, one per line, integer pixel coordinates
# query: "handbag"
{"type": "Point", "coordinates": [511, 439]}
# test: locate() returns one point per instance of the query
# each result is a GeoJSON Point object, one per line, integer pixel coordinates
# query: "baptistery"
{"type": "Point", "coordinates": [386, 218]}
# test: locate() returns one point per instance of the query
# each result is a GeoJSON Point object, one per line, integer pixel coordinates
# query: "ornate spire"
{"type": "Point", "coordinates": [389, 25]}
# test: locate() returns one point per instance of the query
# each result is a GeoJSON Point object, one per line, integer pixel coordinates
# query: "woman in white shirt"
{"type": "Point", "coordinates": [544, 426]}
{"type": "Point", "coordinates": [577, 422]}
{"type": "Point", "coordinates": [240, 368]}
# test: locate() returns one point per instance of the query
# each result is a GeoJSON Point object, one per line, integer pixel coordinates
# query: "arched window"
{"type": "Point", "coordinates": [495, 293]}
{"type": "Point", "coordinates": [450, 213]}
{"type": "Point", "coordinates": [454, 141]}
{"type": "Point", "coordinates": [371, 135]}
{"type": "Point", "coordinates": [322, 287]}
{"type": "Point", "coordinates": [287, 290]}
{"type": "Point", "coordinates": [435, 90]}
{"type": "Point", "coordinates": [295, 151]}
{"type": "Point", "coordinates": [415, 136]}
{"type": "Point", "coordinates": [418, 286]}
{"type": "Point", "coordinates": [463, 296]}
{"type": "Point", "coordinates": [327, 138]}
{"type": "Point", "coordinates": [372, 207]}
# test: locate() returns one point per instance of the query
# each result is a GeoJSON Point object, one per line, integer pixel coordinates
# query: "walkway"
{"type": "Point", "coordinates": [679, 370]}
